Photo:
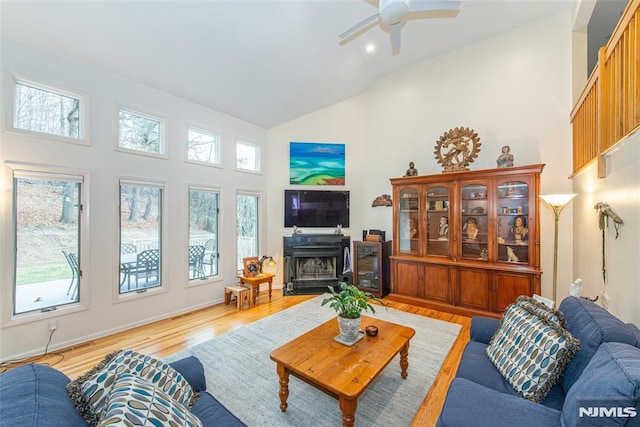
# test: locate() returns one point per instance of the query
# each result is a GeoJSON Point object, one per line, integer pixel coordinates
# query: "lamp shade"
{"type": "Point", "coordinates": [557, 200]}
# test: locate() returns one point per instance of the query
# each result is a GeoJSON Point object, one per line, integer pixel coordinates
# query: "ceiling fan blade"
{"type": "Point", "coordinates": [424, 5]}
{"type": "Point", "coordinates": [358, 26]}
{"type": "Point", "coordinates": [395, 36]}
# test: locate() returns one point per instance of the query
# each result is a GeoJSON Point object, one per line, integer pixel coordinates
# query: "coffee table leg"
{"type": "Point", "coordinates": [283, 374]}
{"type": "Point", "coordinates": [404, 360]}
{"type": "Point", "coordinates": [348, 408]}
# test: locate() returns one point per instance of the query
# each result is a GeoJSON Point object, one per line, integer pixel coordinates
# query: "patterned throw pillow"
{"type": "Point", "coordinates": [541, 310]}
{"type": "Point", "coordinates": [531, 349]}
{"type": "Point", "coordinates": [136, 402]}
{"type": "Point", "coordinates": [90, 391]}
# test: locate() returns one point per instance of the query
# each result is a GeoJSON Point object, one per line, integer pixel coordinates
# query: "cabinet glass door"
{"type": "Point", "coordinates": [367, 261]}
{"type": "Point", "coordinates": [409, 221]}
{"type": "Point", "coordinates": [513, 228]}
{"type": "Point", "coordinates": [437, 221]}
{"type": "Point", "coordinates": [474, 222]}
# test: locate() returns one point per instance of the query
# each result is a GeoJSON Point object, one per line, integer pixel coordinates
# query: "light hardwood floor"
{"type": "Point", "coordinates": [168, 336]}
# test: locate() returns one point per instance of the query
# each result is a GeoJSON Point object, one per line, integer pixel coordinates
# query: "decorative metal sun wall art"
{"type": "Point", "coordinates": [456, 149]}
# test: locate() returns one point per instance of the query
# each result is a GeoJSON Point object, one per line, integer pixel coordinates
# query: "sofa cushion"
{"type": "Point", "coordinates": [636, 332]}
{"type": "Point", "coordinates": [212, 413]}
{"type": "Point", "coordinates": [90, 391]}
{"type": "Point", "coordinates": [470, 404]}
{"type": "Point", "coordinates": [192, 370]}
{"type": "Point", "coordinates": [35, 395]}
{"type": "Point", "coordinates": [531, 349]}
{"type": "Point", "coordinates": [483, 328]}
{"type": "Point", "coordinates": [475, 366]}
{"type": "Point", "coordinates": [610, 380]}
{"type": "Point", "coordinates": [592, 325]}
{"type": "Point", "coordinates": [137, 402]}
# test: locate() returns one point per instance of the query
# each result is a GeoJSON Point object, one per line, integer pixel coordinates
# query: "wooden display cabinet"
{"type": "Point", "coordinates": [466, 242]}
{"type": "Point", "coordinates": [371, 267]}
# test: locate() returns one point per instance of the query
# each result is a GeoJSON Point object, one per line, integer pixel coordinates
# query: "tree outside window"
{"type": "Point", "coordinates": [203, 233]}
{"type": "Point", "coordinates": [140, 132]}
{"type": "Point", "coordinates": [247, 156]}
{"type": "Point", "coordinates": [47, 213]}
{"type": "Point", "coordinates": [203, 146]}
{"type": "Point", "coordinates": [46, 111]}
{"type": "Point", "coordinates": [140, 236]}
{"type": "Point", "coordinates": [247, 222]}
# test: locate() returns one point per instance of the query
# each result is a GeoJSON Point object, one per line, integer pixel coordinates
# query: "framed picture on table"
{"type": "Point", "coordinates": [251, 266]}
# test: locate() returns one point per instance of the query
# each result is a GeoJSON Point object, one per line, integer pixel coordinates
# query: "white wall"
{"type": "Point", "coordinates": [513, 89]}
{"type": "Point", "coordinates": [103, 313]}
{"type": "Point", "coordinates": [621, 190]}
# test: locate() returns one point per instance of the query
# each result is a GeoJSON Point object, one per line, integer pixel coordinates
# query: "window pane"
{"type": "Point", "coordinates": [247, 217]}
{"type": "Point", "coordinates": [140, 237]}
{"type": "Point", "coordinates": [139, 133]}
{"type": "Point", "coordinates": [248, 156]}
{"type": "Point", "coordinates": [48, 112]}
{"type": "Point", "coordinates": [47, 230]}
{"type": "Point", "coordinates": [203, 146]}
{"type": "Point", "coordinates": [203, 233]}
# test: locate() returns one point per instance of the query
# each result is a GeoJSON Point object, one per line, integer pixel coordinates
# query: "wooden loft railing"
{"type": "Point", "coordinates": [608, 109]}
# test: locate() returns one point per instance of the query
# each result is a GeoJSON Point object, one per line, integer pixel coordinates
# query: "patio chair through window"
{"type": "Point", "coordinates": [147, 267]}
{"type": "Point", "coordinates": [196, 255]}
{"type": "Point", "coordinates": [209, 255]}
{"type": "Point", "coordinates": [72, 259]}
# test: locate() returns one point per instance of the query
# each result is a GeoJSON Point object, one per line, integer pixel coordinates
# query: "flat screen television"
{"type": "Point", "coordinates": [316, 208]}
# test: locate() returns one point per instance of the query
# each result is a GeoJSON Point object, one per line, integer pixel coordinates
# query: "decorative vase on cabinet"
{"type": "Point", "coordinates": [466, 242]}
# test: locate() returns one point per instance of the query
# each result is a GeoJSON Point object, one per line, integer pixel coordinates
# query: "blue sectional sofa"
{"type": "Point", "coordinates": [36, 395]}
{"type": "Point", "coordinates": [604, 373]}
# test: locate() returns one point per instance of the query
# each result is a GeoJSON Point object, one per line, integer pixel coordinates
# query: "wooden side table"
{"type": "Point", "coordinates": [255, 281]}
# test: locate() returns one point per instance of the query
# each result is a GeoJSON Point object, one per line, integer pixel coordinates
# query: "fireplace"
{"type": "Point", "coordinates": [314, 261]}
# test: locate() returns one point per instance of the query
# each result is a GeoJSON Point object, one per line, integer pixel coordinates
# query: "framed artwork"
{"type": "Point", "coordinates": [316, 163]}
{"type": "Point", "coordinates": [251, 266]}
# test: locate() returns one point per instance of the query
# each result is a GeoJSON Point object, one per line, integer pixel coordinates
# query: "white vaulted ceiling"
{"type": "Point", "coordinates": [263, 61]}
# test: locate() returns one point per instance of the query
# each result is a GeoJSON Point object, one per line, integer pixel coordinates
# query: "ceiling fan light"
{"type": "Point", "coordinates": [392, 11]}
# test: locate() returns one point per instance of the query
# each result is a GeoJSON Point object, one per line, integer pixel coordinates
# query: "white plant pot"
{"type": "Point", "coordinates": [349, 329]}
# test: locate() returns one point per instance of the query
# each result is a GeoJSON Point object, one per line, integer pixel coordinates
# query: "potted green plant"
{"type": "Point", "coordinates": [349, 303]}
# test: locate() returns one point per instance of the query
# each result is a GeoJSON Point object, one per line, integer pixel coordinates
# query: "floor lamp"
{"type": "Point", "coordinates": [557, 202]}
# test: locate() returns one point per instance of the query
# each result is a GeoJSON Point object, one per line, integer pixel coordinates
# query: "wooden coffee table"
{"type": "Point", "coordinates": [338, 370]}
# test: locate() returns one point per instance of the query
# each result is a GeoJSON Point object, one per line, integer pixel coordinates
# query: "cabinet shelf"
{"type": "Point", "coordinates": [482, 275]}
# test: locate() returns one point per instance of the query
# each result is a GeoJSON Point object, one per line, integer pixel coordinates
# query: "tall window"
{"type": "Point", "coordinates": [47, 213]}
{"type": "Point", "coordinates": [140, 132]}
{"type": "Point", "coordinates": [140, 236]}
{"type": "Point", "coordinates": [203, 146]}
{"type": "Point", "coordinates": [247, 156]}
{"type": "Point", "coordinates": [247, 219]}
{"type": "Point", "coordinates": [203, 233]}
{"type": "Point", "coordinates": [46, 110]}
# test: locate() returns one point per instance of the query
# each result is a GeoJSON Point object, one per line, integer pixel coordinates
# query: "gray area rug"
{"type": "Point", "coordinates": [243, 378]}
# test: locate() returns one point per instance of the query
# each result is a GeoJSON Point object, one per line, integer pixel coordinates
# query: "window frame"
{"type": "Point", "coordinates": [258, 148]}
{"type": "Point", "coordinates": [163, 146]}
{"type": "Point", "coordinates": [163, 286]}
{"type": "Point", "coordinates": [219, 239]}
{"type": "Point", "coordinates": [14, 78]}
{"type": "Point", "coordinates": [206, 130]}
{"type": "Point", "coordinates": [8, 274]}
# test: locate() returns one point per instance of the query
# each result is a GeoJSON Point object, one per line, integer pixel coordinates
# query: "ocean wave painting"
{"type": "Point", "coordinates": [316, 163]}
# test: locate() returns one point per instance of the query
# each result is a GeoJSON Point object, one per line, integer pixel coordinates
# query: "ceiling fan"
{"type": "Point", "coordinates": [394, 13]}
